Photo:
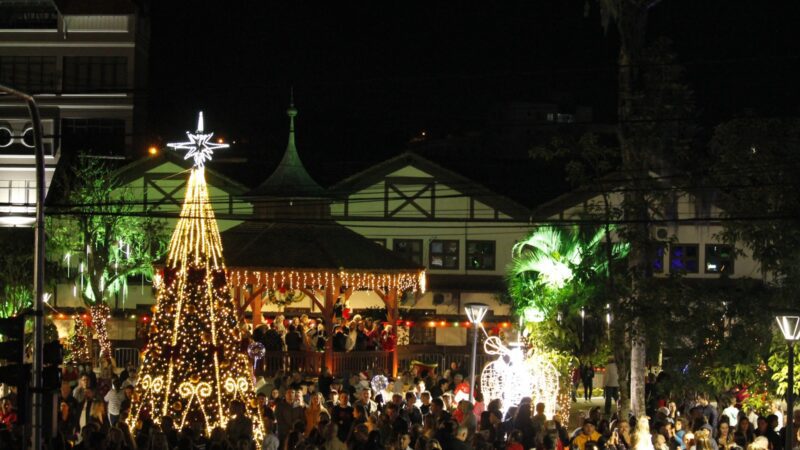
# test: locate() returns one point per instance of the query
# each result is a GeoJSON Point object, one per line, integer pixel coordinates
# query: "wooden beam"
{"type": "Point", "coordinates": [331, 294]}
{"type": "Point", "coordinates": [248, 300]}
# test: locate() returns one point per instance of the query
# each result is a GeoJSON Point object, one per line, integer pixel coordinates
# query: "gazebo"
{"type": "Point", "coordinates": [291, 243]}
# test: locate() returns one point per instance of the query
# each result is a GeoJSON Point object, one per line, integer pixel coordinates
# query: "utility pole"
{"type": "Point", "coordinates": [38, 268]}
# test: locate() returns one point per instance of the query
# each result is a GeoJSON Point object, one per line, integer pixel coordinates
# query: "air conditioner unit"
{"type": "Point", "coordinates": [445, 298]}
{"type": "Point", "coordinates": [661, 234]}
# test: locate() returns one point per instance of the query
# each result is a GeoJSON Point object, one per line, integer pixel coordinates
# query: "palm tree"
{"type": "Point", "coordinates": [553, 264]}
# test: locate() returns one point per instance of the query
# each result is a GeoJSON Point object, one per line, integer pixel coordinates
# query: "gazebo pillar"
{"type": "Point", "coordinates": [392, 315]}
{"type": "Point", "coordinates": [255, 308]}
{"type": "Point", "coordinates": [331, 294]}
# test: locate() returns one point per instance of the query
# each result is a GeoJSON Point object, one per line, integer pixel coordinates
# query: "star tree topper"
{"type": "Point", "coordinates": [199, 146]}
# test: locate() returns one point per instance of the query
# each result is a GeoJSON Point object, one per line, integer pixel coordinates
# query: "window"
{"type": "Point", "coordinates": [381, 242]}
{"type": "Point", "coordinates": [411, 249]}
{"type": "Point", "coordinates": [719, 258]}
{"type": "Point", "coordinates": [480, 255]}
{"type": "Point", "coordinates": [29, 73]}
{"type": "Point", "coordinates": [98, 136]}
{"type": "Point", "coordinates": [95, 73]}
{"type": "Point", "coordinates": [421, 336]}
{"type": "Point", "coordinates": [444, 254]}
{"type": "Point", "coordinates": [658, 260]}
{"type": "Point", "coordinates": [683, 258]}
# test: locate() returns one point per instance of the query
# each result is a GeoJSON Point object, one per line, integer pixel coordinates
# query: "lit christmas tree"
{"type": "Point", "coordinates": [195, 363]}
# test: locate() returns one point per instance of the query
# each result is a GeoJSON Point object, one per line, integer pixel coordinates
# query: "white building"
{"type": "Point", "coordinates": [82, 61]}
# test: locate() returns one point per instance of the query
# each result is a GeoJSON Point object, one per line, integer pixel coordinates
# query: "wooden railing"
{"type": "Point", "coordinates": [354, 362]}
{"type": "Point", "coordinates": [298, 361]}
{"type": "Point", "coordinates": [442, 358]}
{"type": "Point", "coordinates": [345, 363]}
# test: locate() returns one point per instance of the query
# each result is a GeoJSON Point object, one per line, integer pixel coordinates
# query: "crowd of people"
{"type": "Point", "coordinates": [424, 408]}
{"type": "Point", "coordinates": [354, 333]}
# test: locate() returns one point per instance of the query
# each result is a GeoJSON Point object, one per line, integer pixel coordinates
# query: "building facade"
{"type": "Point", "coordinates": [83, 62]}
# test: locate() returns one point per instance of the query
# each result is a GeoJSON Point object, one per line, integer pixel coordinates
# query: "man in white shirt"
{"type": "Point", "coordinates": [732, 412]}
{"type": "Point", "coordinates": [114, 398]}
{"type": "Point", "coordinates": [611, 385]}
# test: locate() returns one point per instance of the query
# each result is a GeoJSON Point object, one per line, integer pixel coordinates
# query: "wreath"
{"type": "Point", "coordinates": [283, 296]}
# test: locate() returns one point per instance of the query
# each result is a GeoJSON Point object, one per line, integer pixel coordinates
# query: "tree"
{"type": "Point", "coordinates": [98, 231]}
{"type": "Point", "coordinates": [757, 168]}
{"type": "Point", "coordinates": [16, 270]}
{"type": "Point", "coordinates": [651, 125]}
{"type": "Point", "coordinates": [195, 368]}
{"type": "Point", "coordinates": [557, 272]}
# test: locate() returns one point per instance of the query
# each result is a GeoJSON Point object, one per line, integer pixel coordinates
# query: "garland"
{"type": "Point", "coordinates": [284, 296]}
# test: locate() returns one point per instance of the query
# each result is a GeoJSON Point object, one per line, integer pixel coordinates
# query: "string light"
{"type": "Point", "coordinates": [194, 366]}
{"type": "Point", "coordinates": [318, 280]}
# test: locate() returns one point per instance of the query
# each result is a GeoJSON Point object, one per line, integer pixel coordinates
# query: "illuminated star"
{"type": "Point", "coordinates": [199, 146]}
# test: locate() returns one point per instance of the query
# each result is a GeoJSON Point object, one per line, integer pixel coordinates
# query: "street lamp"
{"type": "Point", "coordinates": [475, 314]}
{"type": "Point", "coordinates": [789, 324]}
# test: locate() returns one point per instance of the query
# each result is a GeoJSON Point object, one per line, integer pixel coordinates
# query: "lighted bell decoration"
{"type": "Point", "coordinates": [379, 383]}
{"type": "Point", "coordinates": [256, 350]}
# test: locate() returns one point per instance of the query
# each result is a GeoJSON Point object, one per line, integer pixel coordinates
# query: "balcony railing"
{"type": "Point", "coordinates": [310, 363]}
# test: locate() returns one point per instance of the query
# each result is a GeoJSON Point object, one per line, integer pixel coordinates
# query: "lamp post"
{"type": "Point", "coordinates": [38, 266]}
{"type": "Point", "coordinates": [789, 324]}
{"type": "Point", "coordinates": [475, 314]}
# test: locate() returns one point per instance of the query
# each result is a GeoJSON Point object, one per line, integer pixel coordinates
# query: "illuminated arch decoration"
{"type": "Point", "coordinates": [513, 376]}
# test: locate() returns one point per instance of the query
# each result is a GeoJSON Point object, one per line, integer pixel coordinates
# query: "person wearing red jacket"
{"type": "Point", "coordinates": [388, 339]}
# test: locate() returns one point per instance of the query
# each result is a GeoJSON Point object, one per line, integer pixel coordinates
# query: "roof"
{"type": "Point", "coordinates": [96, 7]}
{"type": "Point", "coordinates": [296, 246]}
{"type": "Point", "coordinates": [290, 178]}
{"type": "Point", "coordinates": [377, 172]}
{"type": "Point", "coordinates": [138, 168]}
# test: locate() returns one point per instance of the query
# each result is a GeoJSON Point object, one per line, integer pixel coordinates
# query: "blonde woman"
{"type": "Point", "coordinates": [642, 440]}
{"type": "Point", "coordinates": [99, 416]}
{"type": "Point", "coordinates": [314, 411]}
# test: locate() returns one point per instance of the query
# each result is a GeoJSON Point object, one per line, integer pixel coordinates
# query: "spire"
{"type": "Point", "coordinates": [291, 111]}
{"type": "Point", "coordinates": [290, 178]}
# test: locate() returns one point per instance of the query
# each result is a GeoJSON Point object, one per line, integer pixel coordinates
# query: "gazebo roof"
{"type": "Point", "coordinates": [328, 246]}
{"type": "Point", "coordinates": [272, 253]}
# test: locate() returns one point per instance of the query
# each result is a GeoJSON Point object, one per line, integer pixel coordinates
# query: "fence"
{"type": "Point", "coordinates": [443, 359]}
{"type": "Point", "coordinates": [123, 356]}
{"type": "Point", "coordinates": [300, 361]}
{"type": "Point", "coordinates": [354, 362]}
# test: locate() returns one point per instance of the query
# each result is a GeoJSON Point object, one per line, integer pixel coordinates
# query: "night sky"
{"type": "Point", "coordinates": [369, 76]}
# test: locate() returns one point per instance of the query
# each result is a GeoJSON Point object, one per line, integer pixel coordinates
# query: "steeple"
{"type": "Point", "coordinates": [291, 189]}
{"type": "Point", "coordinates": [290, 179]}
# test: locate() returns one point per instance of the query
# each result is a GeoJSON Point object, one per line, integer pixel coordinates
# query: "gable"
{"type": "Point", "coordinates": [160, 186]}
{"type": "Point", "coordinates": [411, 187]}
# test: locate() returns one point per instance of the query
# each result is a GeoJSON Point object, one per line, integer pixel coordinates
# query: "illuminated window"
{"type": "Point", "coordinates": [411, 249]}
{"type": "Point", "coordinates": [444, 254]}
{"type": "Point", "coordinates": [480, 255]}
{"type": "Point", "coordinates": [684, 258]}
{"type": "Point", "coordinates": [719, 258]}
{"type": "Point", "coordinates": [658, 260]}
